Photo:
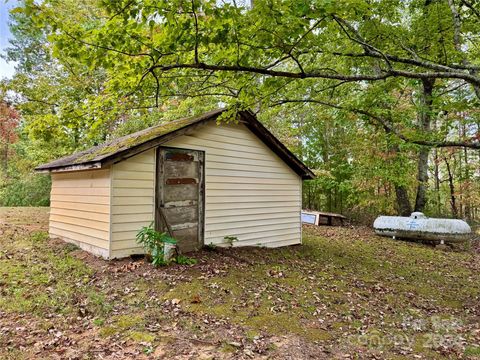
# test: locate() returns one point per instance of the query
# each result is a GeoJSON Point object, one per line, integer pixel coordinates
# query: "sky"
{"type": "Point", "coordinates": [6, 69]}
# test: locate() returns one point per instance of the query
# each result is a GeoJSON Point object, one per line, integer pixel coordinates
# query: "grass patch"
{"type": "Point", "coordinates": [39, 280]}
{"type": "Point", "coordinates": [340, 285]}
{"type": "Point", "coordinates": [472, 351]}
{"type": "Point", "coordinates": [329, 288]}
{"type": "Point", "coordinates": [141, 336]}
{"type": "Point", "coordinates": [120, 324]}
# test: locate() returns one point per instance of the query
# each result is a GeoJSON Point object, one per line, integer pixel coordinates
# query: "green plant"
{"type": "Point", "coordinates": [210, 247]}
{"type": "Point", "coordinates": [154, 244]}
{"type": "Point", "coordinates": [32, 190]}
{"type": "Point", "coordinates": [148, 350]}
{"type": "Point", "coordinates": [185, 260]}
{"type": "Point", "coordinates": [229, 239]}
{"type": "Point", "coordinates": [39, 236]}
{"type": "Point", "coordinates": [472, 351]}
{"type": "Point", "coordinates": [98, 322]}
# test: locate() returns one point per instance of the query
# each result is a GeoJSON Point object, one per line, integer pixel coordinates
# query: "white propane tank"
{"type": "Point", "coordinates": [420, 227]}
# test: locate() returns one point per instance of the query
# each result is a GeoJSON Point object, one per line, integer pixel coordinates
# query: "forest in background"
{"type": "Point", "coordinates": [379, 98]}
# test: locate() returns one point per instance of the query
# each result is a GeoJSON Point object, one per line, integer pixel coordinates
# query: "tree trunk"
{"type": "Point", "coordinates": [457, 41]}
{"type": "Point", "coordinates": [453, 202]}
{"type": "Point", "coordinates": [426, 101]}
{"type": "Point", "coordinates": [458, 169]}
{"type": "Point", "coordinates": [5, 160]}
{"type": "Point", "coordinates": [403, 202]}
{"type": "Point", "coordinates": [436, 174]}
{"type": "Point", "coordinates": [329, 200]}
{"type": "Point", "coordinates": [467, 180]}
{"type": "Point", "coordinates": [422, 178]}
{"type": "Point", "coordinates": [404, 208]}
{"type": "Point", "coordinates": [309, 194]}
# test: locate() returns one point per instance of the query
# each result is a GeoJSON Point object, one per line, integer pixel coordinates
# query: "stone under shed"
{"type": "Point", "coordinates": [207, 180]}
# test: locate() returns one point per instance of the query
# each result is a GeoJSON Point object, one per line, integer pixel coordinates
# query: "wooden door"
{"type": "Point", "coordinates": [180, 196]}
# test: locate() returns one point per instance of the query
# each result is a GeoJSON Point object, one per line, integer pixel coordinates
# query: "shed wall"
{"type": "Point", "coordinates": [133, 201]}
{"type": "Point", "coordinates": [80, 209]}
{"type": "Point", "coordinates": [250, 192]}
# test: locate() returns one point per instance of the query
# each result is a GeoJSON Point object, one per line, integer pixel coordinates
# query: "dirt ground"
{"type": "Point", "coordinates": [345, 293]}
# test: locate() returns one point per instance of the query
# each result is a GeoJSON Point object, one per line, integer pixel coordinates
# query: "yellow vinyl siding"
{"type": "Point", "coordinates": [80, 209]}
{"type": "Point", "coordinates": [250, 192]}
{"type": "Point", "coordinates": [81, 199]}
{"type": "Point", "coordinates": [133, 199]}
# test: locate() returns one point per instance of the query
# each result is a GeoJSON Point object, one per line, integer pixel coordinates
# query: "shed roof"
{"type": "Point", "coordinates": [124, 147]}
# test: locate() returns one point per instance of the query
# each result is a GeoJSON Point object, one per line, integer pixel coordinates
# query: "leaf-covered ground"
{"type": "Point", "coordinates": [345, 293]}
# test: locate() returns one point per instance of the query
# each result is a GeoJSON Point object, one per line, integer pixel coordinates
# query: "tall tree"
{"type": "Point", "coordinates": [9, 119]}
{"type": "Point", "coordinates": [371, 62]}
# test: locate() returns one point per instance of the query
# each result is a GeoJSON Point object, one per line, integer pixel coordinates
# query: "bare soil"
{"type": "Point", "coordinates": [344, 293]}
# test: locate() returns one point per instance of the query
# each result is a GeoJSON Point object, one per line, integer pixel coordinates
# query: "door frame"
{"type": "Point", "coordinates": [201, 190]}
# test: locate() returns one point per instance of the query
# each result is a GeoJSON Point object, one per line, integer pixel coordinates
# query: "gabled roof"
{"type": "Point", "coordinates": [124, 147]}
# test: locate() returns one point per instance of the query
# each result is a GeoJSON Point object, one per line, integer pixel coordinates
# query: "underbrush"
{"type": "Point", "coordinates": [33, 190]}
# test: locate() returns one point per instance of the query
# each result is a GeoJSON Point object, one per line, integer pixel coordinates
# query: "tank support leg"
{"type": "Point", "coordinates": [442, 245]}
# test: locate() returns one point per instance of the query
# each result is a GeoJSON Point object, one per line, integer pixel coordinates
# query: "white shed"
{"type": "Point", "coordinates": [207, 180]}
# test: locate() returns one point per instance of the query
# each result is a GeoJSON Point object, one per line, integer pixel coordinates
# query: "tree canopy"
{"type": "Point", "coordinates": [361, 89]}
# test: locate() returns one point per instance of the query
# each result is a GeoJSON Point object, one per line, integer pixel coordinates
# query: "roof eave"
{"type": "Point", "coordinates": [150, 144]}
{"type": "Point", "coordinates": [251, 122]}
{"type": "Point", "coordinates": [74, 167]}
{"type": "Point", "coordinates": [129, 152]}
{"type": "Point", "coordinates": [272, 142]}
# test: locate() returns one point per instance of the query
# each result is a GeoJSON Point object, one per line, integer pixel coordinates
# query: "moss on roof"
{"type": "Point", "coordinates": [105, 150]}
{"type": "Point", "coordinates": [104, 154]}
{"type": "Point", "coordinates": [132, 140]}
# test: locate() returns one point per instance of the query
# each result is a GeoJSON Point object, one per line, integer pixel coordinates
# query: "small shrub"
{"type": "Point", "coordinates": [39, 236]}
{"type": "Point", "coordinates": [98, 305]}
{"type": "Point", "coordinates": [69, 247]}
{"type": "Point", "coordinates": [210, 247]}
{"type": "Point", "coordinates": [229, 239]}
{"type": "Point", "coordinates": [32, 190]}
{"type": "Point", "coordinates": [98, 322]}
{"type": "Point", "coordinates": [185, 260]}
{"type": "Point", "coordinates": [147, 350]}
{"type": "Point", "coordinates": [154, 244]}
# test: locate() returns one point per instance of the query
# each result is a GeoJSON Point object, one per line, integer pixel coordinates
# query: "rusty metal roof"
{"type": "Point", "coordinates": [124, 147]}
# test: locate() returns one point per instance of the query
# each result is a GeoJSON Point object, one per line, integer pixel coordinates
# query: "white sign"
{"type": "Point", "coordinates": [309, 218]}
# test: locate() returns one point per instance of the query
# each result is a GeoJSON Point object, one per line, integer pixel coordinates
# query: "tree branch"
{"type": "Point", "coordinates": [305, 34]}
{"type": "Point", "coordinates": [127, 5]}
{"type": "Point", "coordinates": [372, 51]}
{"type": "Point", "coordinates": [457, 27]}
{"type": "Point", "coordinates": [41, 101]}
{"type": "Point", "coordinates": [196, 31]}
{"type": "Point", "coordinates": [471, 7]}
{"type": "Point", "coordinates": [108, 48]}
{"type": "Point", "coordinates": [157, 88]}
{"type": "Point", "coordinates": [385, 124]}
{"type": "Point", "coordinates": [369, 49]}
{"type": "Point", "coordinates": [322, 75]}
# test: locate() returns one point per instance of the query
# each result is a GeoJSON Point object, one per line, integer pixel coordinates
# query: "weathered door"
{"type": "Point", "coordinates": [180, 196]}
